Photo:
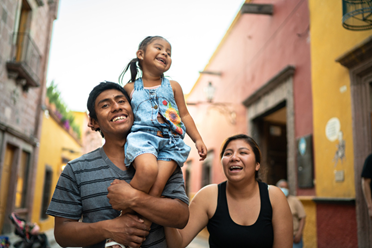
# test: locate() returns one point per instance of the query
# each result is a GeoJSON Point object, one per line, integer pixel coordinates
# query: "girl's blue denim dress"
{"type": "Point", "coordinates": [148, 135]}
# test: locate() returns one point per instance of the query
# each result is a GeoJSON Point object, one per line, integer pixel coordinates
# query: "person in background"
{"type": "Point", "coordinates": [367, 183]}
{"type": "Point", "coordinates": [298, 214]}
{"type": "Point", "coordinates": [242, 211]}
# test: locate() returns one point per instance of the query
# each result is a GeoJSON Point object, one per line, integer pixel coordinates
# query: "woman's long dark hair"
{"type": "Point", "coordinates": [132, 65]}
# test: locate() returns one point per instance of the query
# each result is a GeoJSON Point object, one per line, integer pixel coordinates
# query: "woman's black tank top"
{"type": "Point", "coordinates": [224, 232]}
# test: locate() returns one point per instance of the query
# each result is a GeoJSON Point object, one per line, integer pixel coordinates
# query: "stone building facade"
{"type": "Point", "coordinates": [25, 36]}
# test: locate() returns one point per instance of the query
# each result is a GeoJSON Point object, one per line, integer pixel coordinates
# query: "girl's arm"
{"type": "Point", "coordinates": [186, 118]}
{"type": "Point", "coordinates": [282, 219]}
{"type": "Point", "coordinates": [202, 208]}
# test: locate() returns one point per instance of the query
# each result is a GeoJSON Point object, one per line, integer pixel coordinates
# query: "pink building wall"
{"type": "Point", "coordinates": [254, 50]}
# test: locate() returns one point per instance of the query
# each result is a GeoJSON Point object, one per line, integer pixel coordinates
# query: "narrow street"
{"type": "Point", "coordinates": [198, 242]}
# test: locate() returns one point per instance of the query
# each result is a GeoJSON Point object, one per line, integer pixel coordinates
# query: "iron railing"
{"type": "Point", "coordinates": [25, 58]}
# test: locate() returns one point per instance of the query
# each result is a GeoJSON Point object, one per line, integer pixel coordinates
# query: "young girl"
{"type": "Point", "coordinates": [155, 144]}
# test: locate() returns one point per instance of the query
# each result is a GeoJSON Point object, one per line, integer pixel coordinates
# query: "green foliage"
{"type": "Point", "coordinates": [54, 96]}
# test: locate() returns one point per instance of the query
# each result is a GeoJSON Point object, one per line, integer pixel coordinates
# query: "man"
{"type": "Point", "coordinates": [298, 214]}
{"type": "Point", "coordinates": [82, 190]}
{"type": "Point", "coordinates": [367, 184]}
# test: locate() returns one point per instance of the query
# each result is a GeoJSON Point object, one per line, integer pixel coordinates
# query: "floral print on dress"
{"type": "Point", "coordinates": [173, 115]}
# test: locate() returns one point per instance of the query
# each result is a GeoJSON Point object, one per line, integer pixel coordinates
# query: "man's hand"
{"type": "Point", "coordinates": [297, 237]}
{"type": "Point", "coordinates": [121, 194]}
{"type": "Point", "coordinates": [128, 230]}
{"type": "Point", "coordinates": [202, 149]}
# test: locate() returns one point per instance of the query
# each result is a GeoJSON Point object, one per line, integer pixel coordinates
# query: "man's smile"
{"type": "Point", "coordinates": [118, 118]}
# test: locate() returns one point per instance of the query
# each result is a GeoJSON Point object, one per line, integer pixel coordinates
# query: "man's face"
{"type": "Point", "coordinates": [114, 114]}
{"type": "Point", "coordinates": [283, 185]}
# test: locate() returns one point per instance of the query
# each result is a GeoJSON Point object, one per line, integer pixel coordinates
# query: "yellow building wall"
{"type": "Point", "coordinates": [80, 120]}
{"type": "Point", "coordinates": [331, 95]}
{"type": "Point", "coordinates": [309, 233]}
{"type": "Point", "coordinates": [53, 139]}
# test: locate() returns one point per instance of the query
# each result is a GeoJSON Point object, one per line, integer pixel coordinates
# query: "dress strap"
{"type": "Point", "coordinates": [165, 82]}
{"type": "Point", "coordinates": [138, 84]}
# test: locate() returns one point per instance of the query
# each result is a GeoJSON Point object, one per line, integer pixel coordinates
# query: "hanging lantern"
{"type": "Point", "coordinates": [357, 14]}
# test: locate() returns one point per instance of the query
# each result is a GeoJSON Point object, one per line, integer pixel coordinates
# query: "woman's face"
{"type": "Point", "coordinates": [239, 161]}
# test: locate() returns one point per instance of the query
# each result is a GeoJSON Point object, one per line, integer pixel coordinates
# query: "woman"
{"type": "Point", "coordinates": [242, 211]}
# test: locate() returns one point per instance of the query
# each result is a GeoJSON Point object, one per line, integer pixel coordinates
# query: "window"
{"type": "Point", "coordinates": [207, 169]}
{"type": "Point", "coordinates": [206, 174]}
{"type": "Point", "coordinates": [46, 191]}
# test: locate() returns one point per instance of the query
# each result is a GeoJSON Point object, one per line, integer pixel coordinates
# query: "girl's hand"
{"type": "Point", "coordinates": [202, 149]}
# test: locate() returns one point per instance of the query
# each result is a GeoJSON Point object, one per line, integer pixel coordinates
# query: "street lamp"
{"type": "Point", "coordinates": [223, 108]}
{"type": "Point", "coordinates": [209, 92]}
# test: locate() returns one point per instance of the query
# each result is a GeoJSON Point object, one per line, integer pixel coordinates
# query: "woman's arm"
{"type": "Point", "coordinates": [188, 121]}
{"type": "Point", "coordinates": [282, 219]}
{"type": "Point", "coordinates": [202, 208]}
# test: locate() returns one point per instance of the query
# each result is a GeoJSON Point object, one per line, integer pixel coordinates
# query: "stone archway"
{"type": "Point", "coordinates": [275, 92]}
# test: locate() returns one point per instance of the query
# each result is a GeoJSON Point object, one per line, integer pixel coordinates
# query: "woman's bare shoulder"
{"type": "Point", "coordinates": [206, 195]}
{"type": "Point", "coordinates": [276, 195]}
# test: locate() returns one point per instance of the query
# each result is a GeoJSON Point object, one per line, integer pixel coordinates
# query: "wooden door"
{"type": "Point", "coordinates": [5, 180]}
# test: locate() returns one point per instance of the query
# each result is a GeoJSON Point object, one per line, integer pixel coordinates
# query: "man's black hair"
{"type": "Point", "coordinates": [101, 87]}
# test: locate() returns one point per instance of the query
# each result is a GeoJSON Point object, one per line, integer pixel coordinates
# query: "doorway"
{"type": "Point", "coordinates": [272, 139]}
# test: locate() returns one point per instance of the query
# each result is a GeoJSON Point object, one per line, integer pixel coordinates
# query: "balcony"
{"type": "Point", "coordinates": [25, 61]}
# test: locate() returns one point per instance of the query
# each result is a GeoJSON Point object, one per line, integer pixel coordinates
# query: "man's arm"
{"type": "Point", "coordinates": [127, 230]}
{"type": "Point", "coordinates": [367, 194]}
{"type": "Point", "coordinates": [162, 211]}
